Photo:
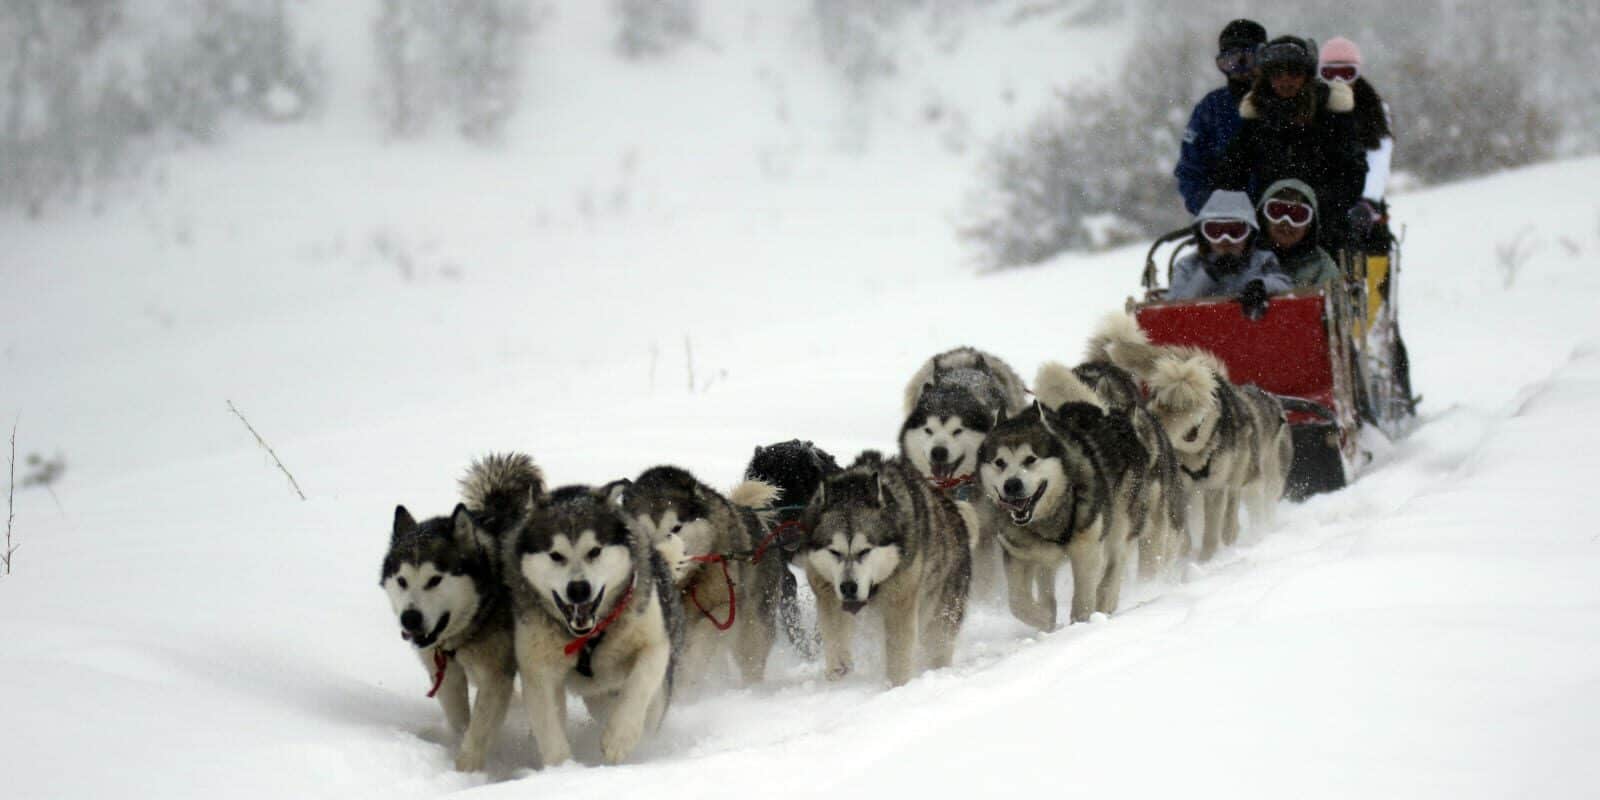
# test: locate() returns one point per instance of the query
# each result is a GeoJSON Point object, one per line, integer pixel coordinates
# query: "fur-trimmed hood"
{"type": "Point", "coordinates": [1338, 98]}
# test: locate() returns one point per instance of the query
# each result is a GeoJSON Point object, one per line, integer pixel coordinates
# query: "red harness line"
{"type": "Point", "coordinates": [946, 484]}
{"type": "Point", "coordinates": [441, 659]}
{"type": "Point", "coordinates": [755, 558]}
{"type": "Point", "coordinates": [622, 604]}
{"type": "Point", "coordinates": [733, 603]}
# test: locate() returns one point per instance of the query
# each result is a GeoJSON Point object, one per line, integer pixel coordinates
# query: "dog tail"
{"type": "Point", "coordinates": [1057, 385]}
{"type": "Point", "coordinates": [753, 494]}
{"type": "Point", "coordinates": [500, 488]}
{"type": "Point", "coordinates": [1182, 383]}
{"type": "Point", "coordinates": [1115, 328]}
{"type": "Point", "coordinates": [1305, 406]}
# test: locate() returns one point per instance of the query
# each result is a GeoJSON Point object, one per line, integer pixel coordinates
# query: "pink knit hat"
{"type": "Point", "coordinates": [1340, 50]}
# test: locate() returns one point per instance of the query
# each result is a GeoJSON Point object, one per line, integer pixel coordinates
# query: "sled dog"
{"type": "Point", "coordinates": [878, 534]}
{"type": "Point", "coordinates": [710, 542]}
{"type": "Point", "coordinates": [1159, 510]}
{"type": "Point", "coordinates": [796, 468]}
{"type": "Point", "coordinates": [951, 402]}
{"type": "Point", "coordinates": [596, 611]}
{"type": "Point", "coordinates": [444, 581]}
{"type": "Point", "coordinates": [1065, 481]}
{"type": "Point", "coordinates": [1232, 442]}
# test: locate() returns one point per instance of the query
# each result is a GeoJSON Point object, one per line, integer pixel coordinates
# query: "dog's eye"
{"type": "Point", "coordinates": [957, 431]}
{"type": "Point", "coordinates": [999, 463]}
{"type": "Point", "coordinates": [678, 527]}
{"type": "Point", "coordinates": [1029, 461]}
{"type": "Point", "coordinates": [928, 431]}
{"type": "Point", "coordinates": [433, 581]}
{"type": "Point", "coordinates": [402, 582]}
{"type": "Point", "coordinates": [594, 553]}
{"type": "Point", "coordinates": [862, 555]}
{"type": "Point", "coordinates": [836, 554]}
{"type": "Point", "coordinates": [558, 558]}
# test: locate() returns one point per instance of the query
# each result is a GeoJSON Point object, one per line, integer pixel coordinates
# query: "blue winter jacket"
{"type": "Point", "coordinates": [1212, 126]}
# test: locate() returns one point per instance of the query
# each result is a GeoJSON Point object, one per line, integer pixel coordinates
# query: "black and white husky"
{"type": "Point", "coordinates": [596, 611]}
{"type": "Point", "coordinates": [444, 581]}
{"type": "Point", "coordinates": [718, 551]}
{"type": "Point", "coordinates": [1233, 442]}
{"type": "Point", "coordinates": [1062, 478]}
{"type": "Point", "coordinates": [797, 468]}
{"type": "Point", "coordinates": [951, 402]}
{"type": "Point", "coordinates": [879, 535]}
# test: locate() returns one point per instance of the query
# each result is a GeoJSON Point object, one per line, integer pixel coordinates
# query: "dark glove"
{"type": "Point", "coordinates": [1363, 216]}
{"type": "Point", "coordinates": [1220, 267]}
{"type": "Point", "coordinates": [1253, 300]}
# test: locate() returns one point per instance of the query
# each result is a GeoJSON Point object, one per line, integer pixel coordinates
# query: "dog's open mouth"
{"type": "Point", "coordinates": [1021, 508]}
{"type": "Point", "coordinates": [579, 616]}
{"type": "Point", "coordinates": [852, 606]}
{"type": "Point", "coordinates": [428, 639]}
{"type": "Point", "coordinates": [946, 470]}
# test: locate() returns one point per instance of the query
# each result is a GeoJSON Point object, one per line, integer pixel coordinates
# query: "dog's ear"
{"type": "Point", "coordinates": [615, 492]}
{"type": "Point", "coordinates": [403, 522]}
{"type": "Point", "coordinates": [463, 527]}
{"type": "Point", "coordinates": [877, 483]}
{"type": "Point", "coordinates": [980, 364]}
{"type": "Point", "coordinates": [999, 416]}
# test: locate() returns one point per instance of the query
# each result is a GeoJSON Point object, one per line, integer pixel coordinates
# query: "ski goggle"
{"type": "Point", "coordinates": [1340, 73]}
{"type": "Point", "coordinates": [1231, 231]}
{"type": "Point", "coordinates": [1295, 213]}
{"type": "Point", "coordinates": [1237, 61]}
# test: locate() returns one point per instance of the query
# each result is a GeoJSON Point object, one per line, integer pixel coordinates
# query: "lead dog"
{"type": "Point", "coordinates": [444, 582]}
{"type": "Point", "coordinates": [596, 612]}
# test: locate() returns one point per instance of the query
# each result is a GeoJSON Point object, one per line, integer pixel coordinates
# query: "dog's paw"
{"type": "Point", "coordinates": [469, 761]}
{"type": "Point", "coordinates": [558, 754]}
{"type": "Point", "coordinates": [619, 740]}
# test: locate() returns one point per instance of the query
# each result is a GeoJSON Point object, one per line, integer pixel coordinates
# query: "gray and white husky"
{"type": "Point", "coordinates": [596, 611]}
{"type": "Point", "coordinates": [730, 597]}
{"type": "Point", "coordinates": [951, 402]}
{"type": "Point", "coordinates": [1062, 477]}
{"type": "Point", "coordinates": [444, 581]}
{"type": "Point", "coordinates": [879, 535]}
{"type": "Point", "coordinates": [1232, 442]}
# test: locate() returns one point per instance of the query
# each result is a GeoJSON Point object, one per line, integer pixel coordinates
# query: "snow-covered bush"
{"type": "Point", "coordinates": [462, 58]}
{"type": "Point", "coordinates": [86, 85]}
{"type": "Point", "coordinates": [1094, 171]}
{"type": "Point", "coordinates": [651, 28]}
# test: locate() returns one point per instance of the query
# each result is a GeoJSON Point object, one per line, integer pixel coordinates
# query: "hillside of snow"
{"type": "Point", "coordinates": [179, 623]}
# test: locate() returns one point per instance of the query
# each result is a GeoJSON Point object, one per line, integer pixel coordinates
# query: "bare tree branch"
{"type": "Point", "coordinates": [268, 448]}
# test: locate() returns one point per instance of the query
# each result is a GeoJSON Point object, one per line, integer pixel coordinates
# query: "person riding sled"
{"type": "Point", "coordinates": [1215, 119]}
{"type": "Point", "coordinates": [1296, 126]}
{"type": "Point", "coordinates": [1226, 262]}
{"type": "Point", "coordinates": [1289, 230]}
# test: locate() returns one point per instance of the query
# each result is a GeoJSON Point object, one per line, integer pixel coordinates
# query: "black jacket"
{"type": "Point", "coordinates": [1324, 154]}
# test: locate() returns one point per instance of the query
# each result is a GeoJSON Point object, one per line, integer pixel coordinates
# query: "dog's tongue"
{"type": "Point", "coordinates": [852, 606]}
{"type": "Point", "coordinates": [583, 615]}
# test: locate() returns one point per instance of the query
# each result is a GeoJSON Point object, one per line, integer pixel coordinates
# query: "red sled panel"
{"type": "Point", "coordinates": [1284, 352]}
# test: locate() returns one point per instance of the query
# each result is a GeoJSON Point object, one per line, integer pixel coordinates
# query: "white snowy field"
{"type": "Point", "coordinates": [182, 624]}
{"type": "Point", "coordinates": [179, 623]}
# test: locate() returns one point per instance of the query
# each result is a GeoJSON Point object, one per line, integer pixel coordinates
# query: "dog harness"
{"type": "Point", "coordinates": [733, 601]}
{"type": "Point", "coordinates": [584, 645]}
{"type": "Point", "coordinates": [441, 660]}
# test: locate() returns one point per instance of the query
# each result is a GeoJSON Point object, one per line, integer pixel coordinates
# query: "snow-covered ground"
{"type": "Point", "coordinates": [179, 623]}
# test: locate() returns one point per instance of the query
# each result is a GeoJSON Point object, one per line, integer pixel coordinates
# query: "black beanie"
{"type": "Point", "coordinates": [1241, 33]}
